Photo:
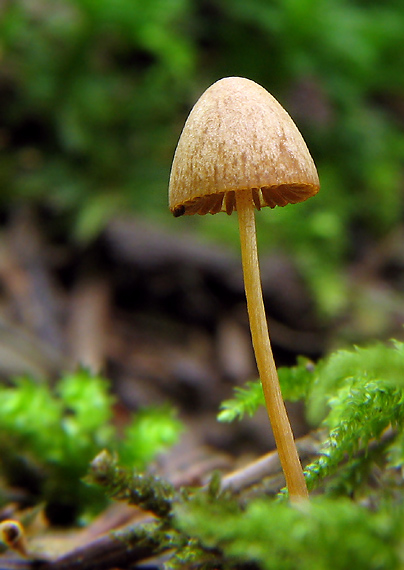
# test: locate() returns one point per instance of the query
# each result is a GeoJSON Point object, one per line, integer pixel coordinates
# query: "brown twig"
{"type": "Point", "coordinates": [116, 549]}
{"type": "Point", "coordinates": [110, 551]}
{"type": "Point", "coordinates": [266, 466]}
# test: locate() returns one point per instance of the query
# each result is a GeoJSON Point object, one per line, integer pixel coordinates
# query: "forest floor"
{"type": "Point", "coordinates": [164, 319]}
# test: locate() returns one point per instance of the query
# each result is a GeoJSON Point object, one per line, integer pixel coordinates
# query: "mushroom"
{"type": "Point", "coordinates": [240, 150]}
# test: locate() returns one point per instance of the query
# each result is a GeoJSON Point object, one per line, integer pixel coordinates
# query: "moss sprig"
{"type": "Point", "coordinates": [354, 396]}
{"type": "Point", "coordinates": [150, 493]}
{"type": "Point", "coordinates": [323, 534]}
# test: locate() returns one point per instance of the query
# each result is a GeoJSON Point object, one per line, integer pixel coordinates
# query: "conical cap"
{"type": "Point", "coordinates": [238, 137]}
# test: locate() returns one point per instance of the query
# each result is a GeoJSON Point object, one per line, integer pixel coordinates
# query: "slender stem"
{"type": "Point", "coordinates": [263, 353]}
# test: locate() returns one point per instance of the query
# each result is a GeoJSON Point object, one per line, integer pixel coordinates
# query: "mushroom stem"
{"type": "Point", "coordinates": [278, 417]}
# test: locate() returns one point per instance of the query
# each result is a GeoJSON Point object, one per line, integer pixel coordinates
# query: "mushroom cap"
{"type": "Point", "coordinates": [238, 137]}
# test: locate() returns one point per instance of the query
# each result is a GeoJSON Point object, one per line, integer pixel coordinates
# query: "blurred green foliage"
{"type": "Point", "coordinates": [89, 90]}
{"type": "Point", "coordinates": [93, 95]}
{"type": "Point", "coordinates": [318, 535]}
{"type": "Point", "coordinates": [48, 436]}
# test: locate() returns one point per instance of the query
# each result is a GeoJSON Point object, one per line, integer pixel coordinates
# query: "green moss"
{"type": "Point", "coordinates": [123, 484]}
{"type": "Point", "coordinates": [354, 396]}
{"type": "Point", "coordinates": [321, 535]}
{"type": "Point", "coordinates": [48, 436]}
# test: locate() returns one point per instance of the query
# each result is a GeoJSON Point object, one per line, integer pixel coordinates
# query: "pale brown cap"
{"type": "Point", "coordinates": [238, 137]}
